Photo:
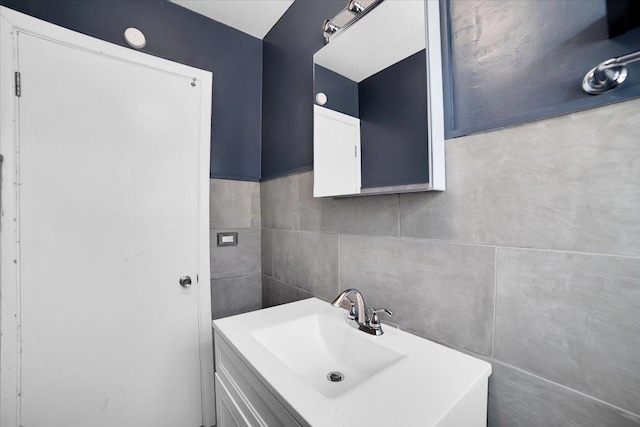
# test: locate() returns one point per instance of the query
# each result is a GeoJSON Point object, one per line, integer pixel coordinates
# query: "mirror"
{"type": "Point", "coordinates": [378, 113]}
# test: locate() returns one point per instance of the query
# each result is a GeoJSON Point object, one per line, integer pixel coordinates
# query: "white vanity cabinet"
{"type": "Point", "coordinates": [241, 398]}
{"type": "Point", "coordinates": [275, 367]}
{"type": "Point", "coordinates": [228, 414]}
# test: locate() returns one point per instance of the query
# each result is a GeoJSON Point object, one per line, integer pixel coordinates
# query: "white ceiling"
{"type": "Point", "coordinates": [392, 31]}
{"type": "Point", "coordinates": [255, 17]}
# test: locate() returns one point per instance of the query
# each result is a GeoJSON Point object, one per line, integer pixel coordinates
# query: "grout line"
{"type": "Point", "coordinates": [272, 248]}
{"type": "Point", "coordinates": [515, 368]}
{"type": "Point", "coordinates": [500, 362]}
{"type": "Point", "coordinates": [271, 240]}
{"type": "Point", "coordinates": [232, 228]}
{"type": "Point", "coordinates": [259, 272]}
{"type": "Point", "coordinates": [339, 263]}
{"type": "Point", "coordinates": [291, 286]}
{"type": "Point", "coordinates": [330, 233]}
{"type": "Point", "coordinates": [399, 221]}
{"type": "Point", "coordinates": [453, 242]}
{"type": "Point", "coordinates": [445, 343]}
{"type": "Point", "coordinates": [495, 301]}
{"type": "Point", "coordinates": [297, 182]}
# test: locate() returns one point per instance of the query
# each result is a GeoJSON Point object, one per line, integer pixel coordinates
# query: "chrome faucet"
{"type": "Point", "coordinates": [360, 317]}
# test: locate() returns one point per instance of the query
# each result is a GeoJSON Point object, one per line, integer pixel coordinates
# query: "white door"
{"type": "Point", "coordinates": [108, 223]}
{"type": "Point", "coordinates": [336, 153]}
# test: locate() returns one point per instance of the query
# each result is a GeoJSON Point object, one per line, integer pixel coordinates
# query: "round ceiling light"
{"type": "Point", "coordinates": [135, 38]}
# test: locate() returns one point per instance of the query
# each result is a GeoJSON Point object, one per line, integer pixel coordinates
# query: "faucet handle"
{"type": "Point", "coordinates": [374, 320]}
{"type": "Point", "coordinates": [352, 311]}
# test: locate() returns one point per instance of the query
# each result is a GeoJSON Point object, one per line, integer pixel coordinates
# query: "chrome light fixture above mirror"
{"type": "Point", "coordinates": [355, 7]}
{"type": "Point", "coordinates": [354, 11]}
{"type": "Point", "coordinates": [329, 28]}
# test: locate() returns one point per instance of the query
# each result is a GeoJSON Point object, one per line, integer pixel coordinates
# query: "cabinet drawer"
{"type": "Point", "coordinates": [255, 401]}
{"type": "Point", "coordinates": [229, 414]}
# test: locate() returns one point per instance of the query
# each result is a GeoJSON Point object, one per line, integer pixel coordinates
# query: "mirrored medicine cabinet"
{"type": "Point", "coordinates": [378, 101]}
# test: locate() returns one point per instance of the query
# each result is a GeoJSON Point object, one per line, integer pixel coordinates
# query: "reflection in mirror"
{"type": "Point", "coordinates": [373, 119]}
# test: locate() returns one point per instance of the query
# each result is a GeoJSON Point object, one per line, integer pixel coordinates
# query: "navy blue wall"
{"type": "Point", "coordinates": [180, 35]}
{"type": "Point", "coordinates": [516, 61]}
{"type": "Point", "coordinates": [287, 89]}
{"type": "Point", "coordinates": [393, 124]}
{"type": "Point", "coordinates": [506, 62]}
{"type": "Point", "coordinates": [342, 93]}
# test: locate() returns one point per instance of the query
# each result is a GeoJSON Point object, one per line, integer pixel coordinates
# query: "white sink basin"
{"type": "Point", "coordinates": [313, 346]}
{"type": "Point", "coordinates": [395, 379]}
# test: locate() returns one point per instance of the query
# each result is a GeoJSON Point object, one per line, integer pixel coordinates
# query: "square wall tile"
{"type": "Point", "coordinates": [256, 210]}
{"type": "Point", "coordinates": [235, 295]}
{"type": "Point", "coordinates": [279, 203]}
{"type": "Point", "coordinates": [308, 261]}
{"type": "Point", "coordinates": [572, 318]}
{"type": "Point", "coordinates": [518, 399]}
{"type": "Point", "coordinates": [275, 292]}
{"type": "Point", "coordinates": [241, 260]}
{"type": "Point", "coordinates": [234, 204]}
{"type": "Point", "coordinates": [561, 183]}
{"type": "Point", "coordinates": [371, 215]}
{"type": "Point", "coordinates": [267, 250]}
{"type": "Point", "coordinates": [440, 290]}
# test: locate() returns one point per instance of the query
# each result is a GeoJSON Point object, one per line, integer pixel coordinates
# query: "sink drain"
{"type": "Point", "coordinates": [335, 376]}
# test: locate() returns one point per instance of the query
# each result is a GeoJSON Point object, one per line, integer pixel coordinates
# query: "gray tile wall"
{"type": "Point", "coordinates": [236, 279]}
{"type": "Point", "coordinates": [530, 260]}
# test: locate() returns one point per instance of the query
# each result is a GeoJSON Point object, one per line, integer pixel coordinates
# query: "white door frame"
{"type": "Point", "coordinates": [12, 22]}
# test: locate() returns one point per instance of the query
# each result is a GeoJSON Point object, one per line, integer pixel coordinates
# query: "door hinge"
{"type": "Point", "coordinates": [355, 150]}
{"type": "Point", "coordinates": [18, 84]}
